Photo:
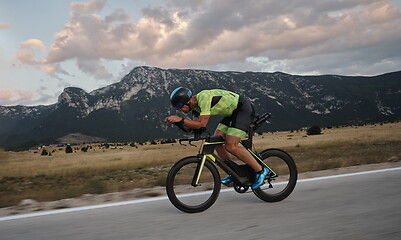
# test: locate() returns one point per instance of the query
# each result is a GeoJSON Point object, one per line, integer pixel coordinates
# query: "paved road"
{"type": "Point", "coordinates": [365, 207]}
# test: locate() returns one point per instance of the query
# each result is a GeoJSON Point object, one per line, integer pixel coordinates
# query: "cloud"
{"type": "Point", "coordinates": [12, 96]}
{"type": "Point", "coordinates": [26, 52]}
{"type": "Point", "coordinates": [94, 67]}
{"type": "Point", "coordinates": [80, 8]}
{"type": "Point", "coordinates": [318, 35]}
{"type": "Point", "coordinates": [4, 25]}
{"type": "Point", "coordinates": [5, 95]}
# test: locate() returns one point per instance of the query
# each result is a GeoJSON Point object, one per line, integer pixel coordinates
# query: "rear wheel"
{"type": "Point", "coordinates": [280, 186]}
{"type": "Point", "coordinates": [186, 197]}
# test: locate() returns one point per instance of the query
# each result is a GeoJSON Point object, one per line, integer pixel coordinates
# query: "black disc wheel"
{"type": "Point", "coordinates": [277, 186]}
{"type": "Point", "coordinates": [186, 197]}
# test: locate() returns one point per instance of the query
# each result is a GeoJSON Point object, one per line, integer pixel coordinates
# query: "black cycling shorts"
{"type": "Point", "coordinates": [238, 123]}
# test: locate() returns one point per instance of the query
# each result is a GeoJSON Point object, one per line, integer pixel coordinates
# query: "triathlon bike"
{"type": "Point", "coordinates": [193, 183]}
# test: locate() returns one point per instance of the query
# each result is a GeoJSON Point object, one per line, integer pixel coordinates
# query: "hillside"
{"type": "Point", "coordinates": [135, 107]}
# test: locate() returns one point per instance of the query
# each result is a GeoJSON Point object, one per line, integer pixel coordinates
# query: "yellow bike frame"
{"type": "Point", "coordinates": [207, 153]}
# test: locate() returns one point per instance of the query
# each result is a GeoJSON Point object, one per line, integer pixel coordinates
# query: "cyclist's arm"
{"type": "Point", "coordinates": [197, 122]}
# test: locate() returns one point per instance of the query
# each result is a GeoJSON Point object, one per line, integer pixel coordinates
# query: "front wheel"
{"type": "Point", "coordinates": [186, 197]}
{"type": "Point", "coordinates": [279, 186]}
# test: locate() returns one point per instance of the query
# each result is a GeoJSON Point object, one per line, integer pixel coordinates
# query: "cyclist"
{"type": "Point", "coordinates": [238, 115]}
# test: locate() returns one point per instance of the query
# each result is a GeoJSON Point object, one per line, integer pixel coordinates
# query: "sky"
{"type": "Point", "coordinates": [48, 45]}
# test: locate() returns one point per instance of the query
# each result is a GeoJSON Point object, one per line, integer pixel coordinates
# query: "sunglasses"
{"type": "Point", "coordinates": [179, 105]}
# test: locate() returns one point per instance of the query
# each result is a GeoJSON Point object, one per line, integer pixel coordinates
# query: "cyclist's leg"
{"type": "Point", "coordinates": [232, 146]}
{"type": "Point", "coordinates": [220, 149]}
{"type": "Point", "coordinates": [241, 120]}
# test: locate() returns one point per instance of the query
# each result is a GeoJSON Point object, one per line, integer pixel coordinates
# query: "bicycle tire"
{"type": "Point", "coordinates": [284, 165]}
{"type": "Point", "coordinates": [173, 181]}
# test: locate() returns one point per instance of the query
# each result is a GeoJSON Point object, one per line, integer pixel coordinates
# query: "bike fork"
{"type": "Point", "coordinates": [198, 171]}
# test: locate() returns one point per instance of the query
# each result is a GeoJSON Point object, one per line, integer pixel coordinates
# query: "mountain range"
{"type": "Point", "coordinates": [134, 109]}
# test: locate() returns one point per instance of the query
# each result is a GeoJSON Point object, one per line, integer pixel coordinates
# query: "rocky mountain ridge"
{"type": "Point", "coordinates": [135, 107]}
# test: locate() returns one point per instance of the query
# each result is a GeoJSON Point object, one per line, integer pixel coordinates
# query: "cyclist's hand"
{"type": "Point", "coordinates": [173, 119]}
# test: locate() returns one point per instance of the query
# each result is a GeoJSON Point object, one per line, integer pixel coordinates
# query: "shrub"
{"type": "Point", "coordinates": [44, 152]}
{"type": "Point", "coordinates": [164, 141]}
{"type": "Point", "coordinates": [314, 130]}
{"type": "Point", "coordinates": [68, 149]}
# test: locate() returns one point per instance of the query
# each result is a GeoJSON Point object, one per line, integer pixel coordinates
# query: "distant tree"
{"type": "Point", "coordinates": [68, 149]}
{"type": "Point", "coordinates": [44, 152]}
{"type": "Point", "coordinates": [84, 149]}
{"type": "Point", "coordinates": [169, 140]}
{"type": "Point", "coordinates": [314, 130]}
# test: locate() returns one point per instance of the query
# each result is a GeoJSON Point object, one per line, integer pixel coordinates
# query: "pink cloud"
{"type": "Point", "coordinates": [26, 52]}
{"type": "Point", "coordinates": [11, 96]}
{"type": "Point", "coordinates": [5, 94]}
{"type": "Point", "coordinates": [4, 25]}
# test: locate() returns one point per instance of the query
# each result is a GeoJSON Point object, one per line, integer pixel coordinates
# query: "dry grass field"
{"type": "Point", "coordinates": [28, 174]}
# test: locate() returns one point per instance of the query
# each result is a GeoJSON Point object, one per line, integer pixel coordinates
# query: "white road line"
{"type": "Point", "coordinates": [348, 174]}
{"type": "Point", "coordinates": [76, 209]}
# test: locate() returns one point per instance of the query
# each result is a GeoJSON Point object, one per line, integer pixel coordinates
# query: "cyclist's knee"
{"type": "Point", "coordinates": [231, 147]}
{"type": "Point", "coordinates": [232, 143]}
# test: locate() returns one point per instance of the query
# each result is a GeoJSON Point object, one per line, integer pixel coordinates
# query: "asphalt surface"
{"type": "Point", "coordinates": [366, 206]}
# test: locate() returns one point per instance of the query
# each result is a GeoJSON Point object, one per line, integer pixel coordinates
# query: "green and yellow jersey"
{"type": "Point", "coordinates": [216, 102]}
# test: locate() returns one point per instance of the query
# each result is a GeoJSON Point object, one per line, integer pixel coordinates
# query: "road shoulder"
{"type": "Point", "coordinates": [30, 206]}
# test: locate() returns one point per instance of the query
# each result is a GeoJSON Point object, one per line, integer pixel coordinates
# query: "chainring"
{"type": "Point", "coordinates": [240, 189]}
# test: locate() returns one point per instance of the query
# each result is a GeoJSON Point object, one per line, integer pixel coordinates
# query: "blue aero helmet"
{"type": "Point", "coordinates": [180, 97]}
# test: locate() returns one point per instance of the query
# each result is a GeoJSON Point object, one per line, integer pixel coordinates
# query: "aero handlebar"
{"type": "Point", "coordinates": [198, 132]}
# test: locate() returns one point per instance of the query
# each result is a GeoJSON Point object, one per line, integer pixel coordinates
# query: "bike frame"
{"type": "Point", "coordinates": [207, 153]}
